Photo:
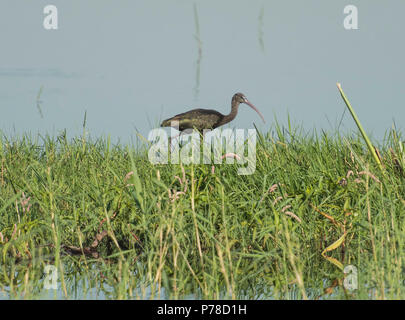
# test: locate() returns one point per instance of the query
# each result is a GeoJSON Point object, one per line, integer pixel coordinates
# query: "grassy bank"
{"type": "Point", "coordinates": [315, 204]}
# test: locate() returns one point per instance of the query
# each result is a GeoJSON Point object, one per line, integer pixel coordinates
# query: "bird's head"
{"type": "Point", "coordinates": [241, 98]}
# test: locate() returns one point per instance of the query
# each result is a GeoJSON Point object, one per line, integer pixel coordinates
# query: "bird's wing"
{"type": "Point", "coordinates": [194, 118]}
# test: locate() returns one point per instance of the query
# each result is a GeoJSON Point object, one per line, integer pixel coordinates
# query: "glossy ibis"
{"type": "Point", "coordinates": [201, 119]}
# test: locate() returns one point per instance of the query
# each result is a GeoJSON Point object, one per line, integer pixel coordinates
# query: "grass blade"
{"type": "Point", "coordinates": [363, 133]}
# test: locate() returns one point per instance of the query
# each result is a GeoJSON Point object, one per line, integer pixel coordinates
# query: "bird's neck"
{"type": "Point", "coordinates": [229, 117]}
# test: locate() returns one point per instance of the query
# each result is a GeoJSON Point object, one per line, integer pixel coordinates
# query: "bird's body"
{"type": "Point", "coordinates": [201, 119]}
{"type": "Point", "coordinates": [197, 118]}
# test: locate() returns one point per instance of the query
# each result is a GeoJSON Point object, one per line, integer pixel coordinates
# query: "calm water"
{"type": "Point", "coordinates": [130, 64]}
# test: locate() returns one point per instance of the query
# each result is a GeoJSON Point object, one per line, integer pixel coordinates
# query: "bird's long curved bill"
{"type": "Point", "coordinates": [255, 109]}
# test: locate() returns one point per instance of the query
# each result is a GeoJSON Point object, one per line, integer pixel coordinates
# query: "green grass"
{"type": "Point", "coordinates": [270, 235]}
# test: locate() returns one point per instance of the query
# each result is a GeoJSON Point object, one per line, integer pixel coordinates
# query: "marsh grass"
{"type": "Point", "coordinates": [316, 203]}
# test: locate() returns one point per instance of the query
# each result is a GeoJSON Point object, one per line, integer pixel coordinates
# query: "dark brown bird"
{"type": "Point", "coordinates": [201, 119]}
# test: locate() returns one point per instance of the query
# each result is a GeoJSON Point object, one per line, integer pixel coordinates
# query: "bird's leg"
{"type": "Point", "coordinates": [174, 125]}
{"type": "Point", "coordinates": [170, 141]}
{"type": "Point", "coordinates": [187, 131]}
{"type": "Point", "coordinates": [205, 131]}
{"type": "Point", "coordinates": [206, 147]}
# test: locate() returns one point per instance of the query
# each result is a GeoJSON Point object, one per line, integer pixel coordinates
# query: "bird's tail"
{"type": "Point", "coordinates": [165, 123]}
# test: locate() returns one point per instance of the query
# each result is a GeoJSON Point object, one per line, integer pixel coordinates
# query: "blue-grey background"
{"type": "Point", "coordinates": [131, 64]}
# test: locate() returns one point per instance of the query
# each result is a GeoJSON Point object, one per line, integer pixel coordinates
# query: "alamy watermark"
{"type": "Point", "coordinates": [218, 146]}
{"type": "Point", "coordinates": [51, 18]}
{"type": "Point", "coordinates": [350, 21]}
{"type": "Point", "coordinates": [350, 281]}
{"type": "Point", "coordinates": [51, 278]}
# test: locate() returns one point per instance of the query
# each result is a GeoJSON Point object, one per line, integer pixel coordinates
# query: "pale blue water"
{"type": "Point", "coordinates": [131, 64]}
